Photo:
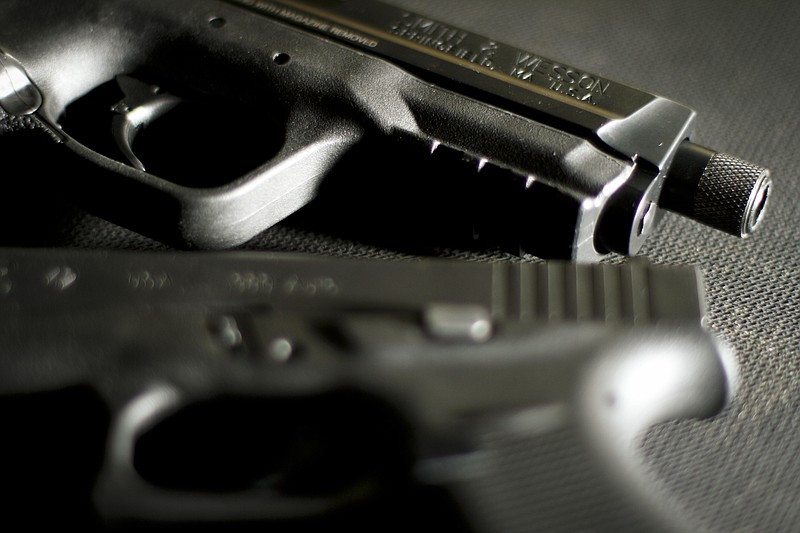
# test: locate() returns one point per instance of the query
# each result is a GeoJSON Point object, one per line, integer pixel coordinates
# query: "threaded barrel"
{"type": "Point", "coordinates": [716, 189]}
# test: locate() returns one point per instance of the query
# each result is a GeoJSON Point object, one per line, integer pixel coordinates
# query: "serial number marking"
{"type": "Point", "coordinates": [148, 281]}
{"type": "Point", "coordinates": [262, 283]}
{"type": "Point", "coordinates": [310, 287]}
{"type": "Point", "coordinates": [251, 283]}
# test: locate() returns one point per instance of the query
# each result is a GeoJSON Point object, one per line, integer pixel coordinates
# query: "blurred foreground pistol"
{"type": "Point", "coordinates": [235, 388]}
{"type": "Point", "coordinates": [547, 145]}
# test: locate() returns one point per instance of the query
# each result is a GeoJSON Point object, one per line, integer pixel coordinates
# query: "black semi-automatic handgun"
{"type": "Point", "coordinates": [243, 389]}
{"type": "Point", "coordinates": [203, 122]}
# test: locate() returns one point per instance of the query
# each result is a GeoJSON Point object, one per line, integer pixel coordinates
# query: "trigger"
{"type": "Point", "coordinates": [142, 104]}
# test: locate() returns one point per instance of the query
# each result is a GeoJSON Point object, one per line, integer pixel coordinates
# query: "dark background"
{"type": "Point", "coordinates": [737, 63]}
